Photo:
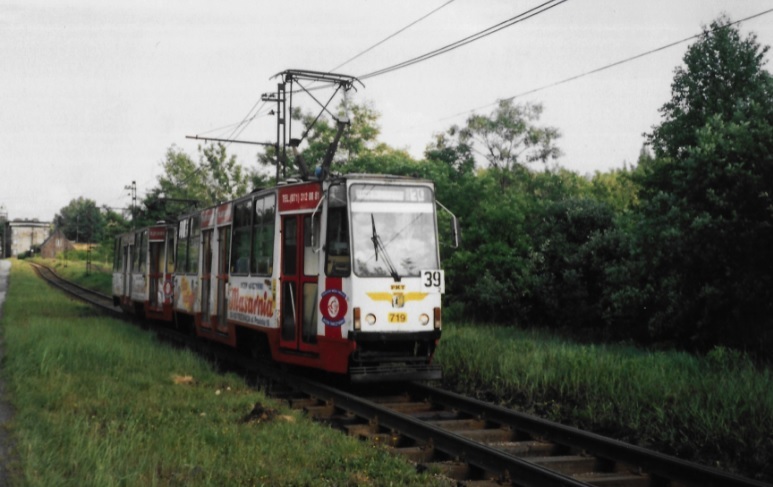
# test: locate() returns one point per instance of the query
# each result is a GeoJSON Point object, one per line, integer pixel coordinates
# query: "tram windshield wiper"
{"type": "Point", "coordinates": [378, 244]}
{"type": "Point", "coordinates": [375, 238]}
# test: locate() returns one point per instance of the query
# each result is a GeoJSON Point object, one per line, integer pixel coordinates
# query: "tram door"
{"type": "Point", "coordinates": [156, 273]}
{"type": "Point", "coordinates": [126, 256]}
{"type": "Point", "coordinates": [224, 244]}
{"type": "Point", "coordinates": [300, 272]}
{"type": "Point", "coordinates": [206, 277]}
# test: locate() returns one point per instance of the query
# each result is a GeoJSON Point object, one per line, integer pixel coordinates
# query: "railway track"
{"type": "Point", "coordinates": [97, 299]}
{"type": "Point", "coordinates": [483, 444]}
{"type": "Point", "coordinates": [468, 440]}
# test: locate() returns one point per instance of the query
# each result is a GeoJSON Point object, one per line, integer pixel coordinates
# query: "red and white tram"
{"type": "Point", "coordinates": [341, 275]}
{"type": "Point", "coordinates": [143, 266]}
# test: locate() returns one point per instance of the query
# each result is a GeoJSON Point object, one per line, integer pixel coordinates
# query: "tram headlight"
{"type": "Point", "coordinates": [371, 319]}
{"type": "Point", "coordinates": [424, 318]}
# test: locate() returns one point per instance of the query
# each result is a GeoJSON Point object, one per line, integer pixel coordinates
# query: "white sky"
{"type": "Point", "coordinates": [93, 93]}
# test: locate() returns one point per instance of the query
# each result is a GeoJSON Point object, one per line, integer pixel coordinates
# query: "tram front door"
{"type": "Point", "coordinates": [299, 277]}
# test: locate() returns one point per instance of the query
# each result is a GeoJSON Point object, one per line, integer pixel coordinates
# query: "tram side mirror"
{"type": "Point", "coordinates": [456, 234]}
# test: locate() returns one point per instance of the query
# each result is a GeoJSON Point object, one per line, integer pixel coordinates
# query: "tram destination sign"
{"type": "Point", "coordinates": [385, 194]}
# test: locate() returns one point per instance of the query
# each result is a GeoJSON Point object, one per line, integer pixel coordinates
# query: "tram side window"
{"type": "Point", "coordinates": [263, 236]}
{"type": "Point", "coordinates": [136, 251]}
{"type": "Point", "coordinates": [182, 245]}
{"type": "Point", "coordinates": [310, 257]}
{"type": "Point", "coordinates": [240, 240]}
{"type": "Point", "coordinates": [337, 255]}
{"type": "Point", "coordinates": [193, 247]}
{"type": "Point", "coordinates": [170, 250]}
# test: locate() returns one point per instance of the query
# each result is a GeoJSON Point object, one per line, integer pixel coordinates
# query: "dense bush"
{"type": "Point", "coordinates": [674, 251]}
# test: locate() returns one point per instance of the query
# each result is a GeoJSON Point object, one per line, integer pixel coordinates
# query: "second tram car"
{"type": "Point", "coordinates": [143, 267]}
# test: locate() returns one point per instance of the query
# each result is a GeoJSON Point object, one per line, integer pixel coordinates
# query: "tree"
{"type": "Point", "coordinates": [723, 77]}
{"type": "Point", "coordinates": [617, 188]}
{"type": "Point", "coordinates": [81, 221]}
{"type": "Point", "coordinates": [571, 248]}
{"type": "Point", "coordinates": [223, 177]}
{"type": "Point", "coordinates": [705, 234]}
{"type": "Point", "coordinates": [115, 224]}
{"type": "Point", "coordinates": [492, 273]}
{"type": "Point", "coordinates": [184, 183]}
{"type": "Point", "coordinates": [510, 138]}
{"type": "Point", "coordinates": [360, 137]}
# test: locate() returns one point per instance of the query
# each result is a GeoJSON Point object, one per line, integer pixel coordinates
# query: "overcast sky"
{"type": "Point", "coordinates": [93, 93]}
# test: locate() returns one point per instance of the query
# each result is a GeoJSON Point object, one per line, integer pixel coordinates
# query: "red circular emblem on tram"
{"type": "Point", "coordinates": [333, 307]}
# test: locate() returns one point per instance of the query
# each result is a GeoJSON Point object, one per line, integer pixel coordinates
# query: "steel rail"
{"type": "Point", "coordinates": [95, 298]}
{"type": "Point", "coordinates": [479, 455]}
{"type": "Point", "coordinates": [456, 446]}
{"type": "Point", "coordinates": [654, 463]}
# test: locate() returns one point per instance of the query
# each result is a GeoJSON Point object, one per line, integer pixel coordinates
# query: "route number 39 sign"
{"type": "Point", "coordinates": [433, 281]}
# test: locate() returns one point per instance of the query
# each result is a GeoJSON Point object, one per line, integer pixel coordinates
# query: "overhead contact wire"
{"type": "Point", "coordinates": [469, 39]}
{"type": "Point", "coordinates": [612, 65]}
{"type": "Point", "coordinates": [392, 35]}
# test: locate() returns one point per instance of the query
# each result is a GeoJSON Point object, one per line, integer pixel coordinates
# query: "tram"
{"type": "Point", "coordinates": [339, 273]}
{"type": "Point", "coordinates": [143, 267]}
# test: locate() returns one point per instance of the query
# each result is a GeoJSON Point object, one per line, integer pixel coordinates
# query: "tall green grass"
{"type": "Point", "coordinates": [98, 404]}
{"type": "Point", "coordinates": [716, 409]}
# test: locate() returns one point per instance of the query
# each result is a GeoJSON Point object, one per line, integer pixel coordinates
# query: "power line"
{"type": "Point", "coordinates": [239, 127]}
{"type": "Point", "coordinates": [611, 65]}
{"type": "Point", "coordinates": [234, 125]}
{"type": "Point", "coordinates": [469, 39]}
{"type": "Point", "coordinates": [247, 120]}
{"type": "Point", "coordinates": [368, 49]}
{"type": "Point", "coordinates": [392, 35]}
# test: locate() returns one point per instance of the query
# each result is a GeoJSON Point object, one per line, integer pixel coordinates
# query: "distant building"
{"type": "Point", "coordinates": [27, 235]}
{"type": "Point", "coordinates": [55, 244]}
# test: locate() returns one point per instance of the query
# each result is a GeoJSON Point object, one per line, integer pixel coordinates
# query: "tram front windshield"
{"type": "Point", "coordinates": [393, 230]}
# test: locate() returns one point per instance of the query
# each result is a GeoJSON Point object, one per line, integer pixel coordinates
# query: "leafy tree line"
{"type": "Point", "coordinates": [706, 218]}
{"type": "Point", "coordinates": [183, 185]}
{"type": "Point", "coordinates": [82, 221]}
{"type": "Point", "coordinates": [675, 249]}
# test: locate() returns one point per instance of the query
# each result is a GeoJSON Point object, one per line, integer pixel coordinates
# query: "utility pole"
{"type": "Point", "coordinates": [132, 188]}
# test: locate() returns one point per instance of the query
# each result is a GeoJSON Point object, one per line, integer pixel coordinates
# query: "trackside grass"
{"type": "Point", "coordinates": [98, 278]}
{"type": "Point", "coordinates": [716, 409]}
{"type": "Point", "coordinates": [101, 403]}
